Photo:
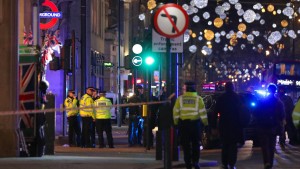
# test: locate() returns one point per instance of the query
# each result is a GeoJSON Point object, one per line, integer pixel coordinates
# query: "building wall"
{"type": "Point", "coordinates": [9, 142]}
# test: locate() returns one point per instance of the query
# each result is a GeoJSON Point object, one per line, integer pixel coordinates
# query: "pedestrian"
{"type": "Point", "coordinates": [189, 115]}
{"type": "Point", "coordinates": [248, 120]}
{"type": "Point", "coordinates": [103, 119]}
{"type": "Point", "coordinates": [163, 94]}
{"type": "Point", "coordinates": [269, 120]}
{"type": "Point", "coordinates": [228, 109]}
{"type": "Point", "coordinates": [289, 125]}
{"type": "Point", "coordinates": [135, 125]}
{"type": "Point", "coordinates": [86, 112]}
{"type": "Point", "coordinates": [71, 104]}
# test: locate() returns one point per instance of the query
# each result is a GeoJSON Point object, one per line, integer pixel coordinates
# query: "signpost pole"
{"type": "Point", "coordinates": [168, 139]}
{"type": "Point", "coordinates": [171, 21]}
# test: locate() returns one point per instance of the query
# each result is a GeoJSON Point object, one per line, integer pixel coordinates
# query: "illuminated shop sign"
{"type": "Point", "coordinates": [54, 14]}
{"type": "Point", "coordinates": [51, 15]}
{"type": "Point", "coordinates": [285, 82]}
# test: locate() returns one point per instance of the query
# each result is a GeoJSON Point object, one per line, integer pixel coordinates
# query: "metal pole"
{"type": "Point", "coordinates": [83, 46]}
{"type": "Point", "coordinates": [119, 65]}
{"type": "Point", "coordinates": [149, 109]}
{"type": "Point", "coordinates": [168, 140]}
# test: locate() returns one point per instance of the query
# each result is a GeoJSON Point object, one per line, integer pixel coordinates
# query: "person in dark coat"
{"type": "Point", "coordinates": [289, 126]}
{"type": "Point", "coordinates": [270, 117]}
{"type": "Point", "coordinates": [228, 106]}
{"type": "Point", "coordinates": [135, 124]}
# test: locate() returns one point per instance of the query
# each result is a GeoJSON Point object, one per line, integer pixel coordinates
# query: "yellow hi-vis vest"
{"type": "Point", "coordinates": [86, 101]}
{"type": "Point", "coordinates": [296, 115]}
{"type": "Point", "coordinates": [102, 108]}
{"type": "Point", "coordinates": [189, 106]}
{"type": "Point", "coordinates": [71, 103]}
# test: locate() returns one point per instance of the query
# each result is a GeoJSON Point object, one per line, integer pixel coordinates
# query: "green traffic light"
{"type": "Point", "coordinates": [149, 60]}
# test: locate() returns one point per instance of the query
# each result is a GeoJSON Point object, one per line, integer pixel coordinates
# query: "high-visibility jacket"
{"type": "Point", "coordinates": [71, 103]}
{"type": "Point", "coordinates": [189, 106]}
{"type": "Point", "coordinates": [102, 108]}
{"type": "Point", "coordinates": [296, 115]}
{"type": "Point", "coordinates": [86, 106]}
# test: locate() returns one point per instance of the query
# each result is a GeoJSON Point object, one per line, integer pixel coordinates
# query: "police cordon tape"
{"type": "Point", "coordinates": [36, 111]}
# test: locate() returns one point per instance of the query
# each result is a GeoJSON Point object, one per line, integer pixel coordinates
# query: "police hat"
{"type": "Point", "coordinates": [71, 91]}
{"type": "Point", "coordinates": [102, 92]}
{"type": "Point", "coordinates": [91, 88]}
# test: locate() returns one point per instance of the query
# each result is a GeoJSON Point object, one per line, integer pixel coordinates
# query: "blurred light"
{"type": "Point", "coordinates": [138, 81]}
{"type": "Point", "coordinates": [142, 16]}
{"type": "Point", "coordinates": [137, 49]}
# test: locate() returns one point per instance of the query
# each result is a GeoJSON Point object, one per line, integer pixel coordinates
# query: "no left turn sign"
{"type": "Point", "coordinates": [171, 20]}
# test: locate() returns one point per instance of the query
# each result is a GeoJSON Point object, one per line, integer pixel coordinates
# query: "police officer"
{"type": "Point", "coordinates": [296, 120]}
{"type": "Point", "coordinates": [86, 112]}
{"type": "Point", "coordinates": [269, 116]}
{"type": "Point", "coordinates": [289, 126]}
{"type": "Point", "coordinates": [135, 125]}
{"type": "Point", "coordinates": [71, 103]}
{"type": "Point", "coordinates": [189, 114]}
{"type": "Point", "coordinates": [228, 107]}
{"type": "Point", "coordinates": [93, 124]}
{"type": "Point", "coordinates": [103, 119]}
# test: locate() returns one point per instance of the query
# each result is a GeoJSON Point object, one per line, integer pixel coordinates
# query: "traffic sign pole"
{"type": "Point", "coordinates": [171, 21]}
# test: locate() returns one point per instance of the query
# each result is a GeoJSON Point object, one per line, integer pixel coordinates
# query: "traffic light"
{"type": "Point", "coordinates": [149, 60]}
{"type": "Point", "coordinates": [127, 62]}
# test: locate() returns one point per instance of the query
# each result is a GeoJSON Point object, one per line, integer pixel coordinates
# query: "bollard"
{"type": "Point", "coordinates": [158, 155]}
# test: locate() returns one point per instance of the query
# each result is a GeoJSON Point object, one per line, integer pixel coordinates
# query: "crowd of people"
{"type": "Point", "coordinates": [95, 116]}
{"type": "Point", "coordinates": [272, 116]}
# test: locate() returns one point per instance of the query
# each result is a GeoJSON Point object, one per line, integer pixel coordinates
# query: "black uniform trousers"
{"type": "Point", "coordinates": [93, 133]}
{"type": "Point", "coordinates": [229, 153]}
{"type": "Point", "coordinates": [189, 135]}
{"type": "Point", "coordinates": [267, 138]}
{"type": "Point", "coordinates": [74, 127]}
{"type": "Point", "coordinates": [104, 125]}
{"type": "Point", "coordinates": [86, 131]}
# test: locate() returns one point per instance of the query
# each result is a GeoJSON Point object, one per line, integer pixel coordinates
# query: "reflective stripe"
{"type": "Point", "coordinates": [180, 101]}
{"type": "Point", "coordinates": [296, 114]}
{"type": "Point", "coordinates": [203, 117]}
{"type": "Point", "coordinates": [176, 110]}
{"type": "Point", "coordinates": [189, 114]}
{"type": "Point", "coordinates": [197, 101]}
{"type": "Point", "coordinates": [202, 110]}
{"type": "Point", "coordinates": [188, 108]}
